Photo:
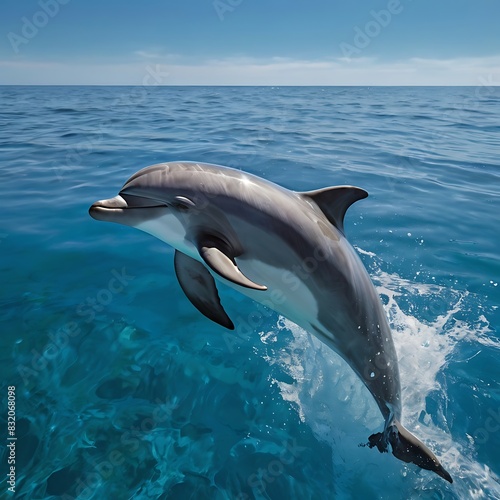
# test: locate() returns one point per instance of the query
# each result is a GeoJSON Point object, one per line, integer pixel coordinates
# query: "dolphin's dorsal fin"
{"type": "Point", "coordinates": [334, 201]}
{"type": "Point", "coordinates": [199, 286]}
{"type": "Point", "coordinates": [218, 257]}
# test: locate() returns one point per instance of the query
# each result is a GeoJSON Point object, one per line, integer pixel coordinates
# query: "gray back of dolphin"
{"type": "Point", "coordinates": [282, 248]}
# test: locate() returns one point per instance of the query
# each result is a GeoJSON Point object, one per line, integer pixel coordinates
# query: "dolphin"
{"type": "Point", "coordinates": [284, 249]}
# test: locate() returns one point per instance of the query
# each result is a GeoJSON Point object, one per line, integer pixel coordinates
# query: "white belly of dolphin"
{"type": "Point", "coordinates": [287, 293]}
{"type": "Point", "coordinates": [169, 229]}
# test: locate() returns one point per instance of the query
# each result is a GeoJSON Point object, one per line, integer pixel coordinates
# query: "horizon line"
{"type": "Point", "coordinates": [219, 85]}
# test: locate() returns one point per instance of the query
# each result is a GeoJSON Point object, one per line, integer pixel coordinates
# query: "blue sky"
{"type": "Point", "coordinates": [253, 42]}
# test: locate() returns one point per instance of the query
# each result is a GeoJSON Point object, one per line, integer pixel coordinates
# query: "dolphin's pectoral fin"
{"type": "Point", "coordinates": [217, 256]}
{"type": "Point", "coordinates": [199, 286]}
{"type": "Point", "coordinates": [408, 448]}
{"type": "Point", "coordinates": [334, 201]}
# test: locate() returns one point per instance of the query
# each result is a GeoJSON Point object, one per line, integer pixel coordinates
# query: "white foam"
{"type": "Point", "coordinates": [364, 252]}
{"type": "Point", "coordinates": [338, 408]}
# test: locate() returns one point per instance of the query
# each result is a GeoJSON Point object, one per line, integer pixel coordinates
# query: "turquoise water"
{"type": "Point", "coordinates": [123, 390]}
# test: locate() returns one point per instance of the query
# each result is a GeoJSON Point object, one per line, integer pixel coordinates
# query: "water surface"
{"type": "Point", "coordinates": [125, 391]}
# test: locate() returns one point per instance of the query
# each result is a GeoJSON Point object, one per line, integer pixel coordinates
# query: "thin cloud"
{"type": "Point", "coordinates": [251, 71]}
{"type": "Point", "coordinates": [155, 55]}
{"type": "Point", "coordinates": [147, 54]}
{"type": "Point", "coordinates": [355, 71]}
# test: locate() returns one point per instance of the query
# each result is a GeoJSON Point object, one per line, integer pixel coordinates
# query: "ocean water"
{"type": "Point", "coordinates": [123, 390]}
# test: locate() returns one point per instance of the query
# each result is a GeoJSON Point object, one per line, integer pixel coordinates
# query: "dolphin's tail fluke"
{"type": "Point", "coordinates": [407, 448]}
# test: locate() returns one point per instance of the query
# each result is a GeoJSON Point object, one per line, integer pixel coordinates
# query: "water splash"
{"type": "Point", "coordinates": [330, 398]}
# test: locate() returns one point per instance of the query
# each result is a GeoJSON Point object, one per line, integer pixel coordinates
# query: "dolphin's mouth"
{"type": "Point", "coordinates": [120, 203]}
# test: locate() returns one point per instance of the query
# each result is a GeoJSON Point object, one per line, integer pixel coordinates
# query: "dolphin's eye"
{"type": "Point", "coordinates": [182, 203]}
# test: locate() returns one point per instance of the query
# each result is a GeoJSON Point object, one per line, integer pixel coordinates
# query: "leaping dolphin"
{"type": "Point", "coordinates": [284, 249]}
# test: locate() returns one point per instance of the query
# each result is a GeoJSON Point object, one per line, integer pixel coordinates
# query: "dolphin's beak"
{"type": "Point", "coordinates": [102, 209]}
{"type": "Point", "coordinates": [121, 208]}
